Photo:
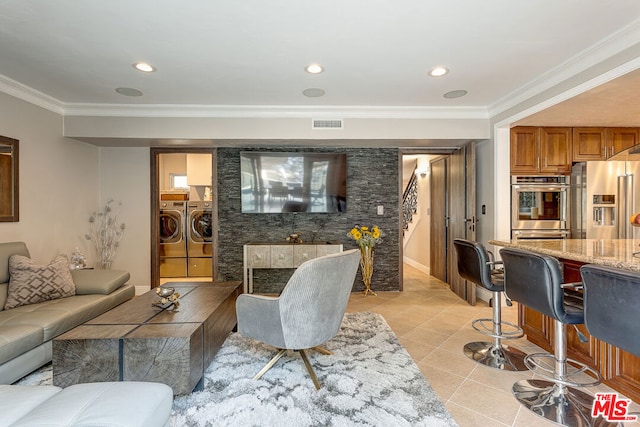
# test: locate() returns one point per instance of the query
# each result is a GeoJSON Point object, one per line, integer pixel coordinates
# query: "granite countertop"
{"type": "Point", "coordinates": [616, 253]}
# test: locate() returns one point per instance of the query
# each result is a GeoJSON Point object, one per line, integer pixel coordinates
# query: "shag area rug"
{"type": "Point", "coordinates": [370, 380]}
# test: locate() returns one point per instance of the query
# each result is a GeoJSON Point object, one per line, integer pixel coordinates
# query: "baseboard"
{"type": "Point", "coordinates": [483, 294]}
{"type": "Point", "coordinates": [417, 265]}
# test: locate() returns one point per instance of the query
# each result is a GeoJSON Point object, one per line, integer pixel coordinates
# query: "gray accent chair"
{"type": "Point", "coordinates": [307, 313]}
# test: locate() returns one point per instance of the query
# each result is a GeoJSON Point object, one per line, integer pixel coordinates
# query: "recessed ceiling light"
{"type": "Point", "coordinates": [438, 71]}
{"type": "Point", "coordinates": [314, 69]}
{"type": "Point", "coordinates": [128, 91]}
{"type": "Point", "coordinates": [455, 94]}
{"type": "Point", "coordinates": [144, 67]}
{"type": "Point", "coordinates": [313, 92]}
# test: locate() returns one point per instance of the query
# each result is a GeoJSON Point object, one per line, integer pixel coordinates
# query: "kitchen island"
{"type": "Point", "coordinates": [620, 370]}
{"type": "Point", "coordinates": [617, 253]}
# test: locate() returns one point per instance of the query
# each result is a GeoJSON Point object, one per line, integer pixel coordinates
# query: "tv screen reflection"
{"type": "Point", "coordinates": [275, 182]}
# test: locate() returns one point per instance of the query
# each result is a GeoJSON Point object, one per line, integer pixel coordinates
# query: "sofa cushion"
{"type": "Point", "coordinates": [122, 404]}
{"type": "Point", "coordinates": [58, 316]}
{"type": "Point", "coordinates": [30, 283]}
{"type": "Point", "coordinates": [6, 250]}
{"type": "Point", "coordinates": [18, 339]}
{"type": "Point", "coordinates": [98, 281]}
{"type": "Point", "coordinates": [16, 401]}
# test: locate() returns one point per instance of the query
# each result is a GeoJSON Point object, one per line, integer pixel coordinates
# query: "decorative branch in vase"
{"type": "Point", "coordinates": [106, 232]}
{"type": "Point", "coordinates": [366, 238]}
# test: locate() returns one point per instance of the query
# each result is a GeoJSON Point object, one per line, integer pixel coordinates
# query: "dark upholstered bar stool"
{"type": "Point", "coordinates": [475, 265]}
{"type": "Point", "coordinates": [535, 281]}
{"type": "Point", "coordinates": [612, 306]}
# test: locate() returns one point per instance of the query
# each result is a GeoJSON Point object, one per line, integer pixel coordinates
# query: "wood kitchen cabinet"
{"type": "Point", "coordinates": [589, 144]}
{"type": "Point", "coordinates": [619, 139]}
{"type": "Point", "coordinates": [541, 150]}
{"type": "Point", "coordinates": [597, 143]}
{"type": "Point", "coordinates": [525, 150]}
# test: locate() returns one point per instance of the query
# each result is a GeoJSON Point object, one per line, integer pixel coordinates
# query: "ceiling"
{"type": "Point", "coordinates": [376, 54]}
{"type": "Point", "coordinates": [615, 103]}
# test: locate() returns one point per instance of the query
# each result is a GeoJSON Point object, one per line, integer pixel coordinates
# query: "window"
{"type": "Point", "coordinates": [178, 182]}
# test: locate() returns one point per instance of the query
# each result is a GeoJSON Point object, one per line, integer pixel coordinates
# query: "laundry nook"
{"type": "Point", "coordinates": [185, 227]}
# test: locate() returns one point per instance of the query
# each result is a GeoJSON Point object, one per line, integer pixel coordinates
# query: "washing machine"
{"type": "Point", "coordinates": [200, 239]}
{"type": "Point", "coordinates": [173, 243]}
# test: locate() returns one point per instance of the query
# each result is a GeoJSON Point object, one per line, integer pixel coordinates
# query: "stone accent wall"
{"type": "Point", "coordinates": [372, 180]}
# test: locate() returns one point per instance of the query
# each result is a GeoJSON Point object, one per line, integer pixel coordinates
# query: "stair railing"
{"type": "Point", "coordinates": [409, 201]}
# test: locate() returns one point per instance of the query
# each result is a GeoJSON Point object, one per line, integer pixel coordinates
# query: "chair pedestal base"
{"type": "Point", "coordinates": [563, 405]}
{"type": "Point", "coordinates": [305, 359]}
{"type": "Point", "coordinates": [500, 357]}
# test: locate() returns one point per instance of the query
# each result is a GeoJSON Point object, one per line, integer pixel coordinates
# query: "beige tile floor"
{"type": "Point", "coordinates": [433, 325]}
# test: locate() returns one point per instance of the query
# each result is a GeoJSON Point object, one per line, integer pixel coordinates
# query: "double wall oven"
{"type": "Point", "coordinates": [540, 207]}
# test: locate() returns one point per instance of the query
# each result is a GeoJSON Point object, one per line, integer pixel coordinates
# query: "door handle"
{"type": "Point", "coordinates": [473, 220]}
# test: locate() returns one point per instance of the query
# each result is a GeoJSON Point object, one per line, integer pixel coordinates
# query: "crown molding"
{"type": "Point", "coordinates": [30, 95]}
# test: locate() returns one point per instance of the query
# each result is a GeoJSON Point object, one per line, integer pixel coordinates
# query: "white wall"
{"type": "Point", "coordinates": [124, 177]}
{"type": "Point", "coordinates": [207, 128]}
{"type": "Point", "coordinates": [417, 250]}
{"type": "Point", "coordinates": [58, 182]}
{"type": "Point", "coordinates": [485, 174]}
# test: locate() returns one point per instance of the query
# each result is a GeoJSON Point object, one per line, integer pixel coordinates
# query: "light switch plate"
{"type": "Point", "coordinates": [380, 210]}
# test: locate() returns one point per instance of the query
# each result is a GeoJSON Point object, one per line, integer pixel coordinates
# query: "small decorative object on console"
{"type": "Point", "coordinates": [77, 261]}
{"type": "Point", "coordinates": [168, 297]}
{"type": "Point", "coordinates": [367, 239]}
{"type": "Point", "coordinates": [294, 238]}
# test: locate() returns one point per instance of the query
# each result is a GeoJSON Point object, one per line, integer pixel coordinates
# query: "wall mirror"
{"type": "Point", "coordinates": [8, 179]}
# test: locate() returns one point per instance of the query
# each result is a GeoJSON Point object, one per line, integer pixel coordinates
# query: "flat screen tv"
{"type": "Point", "coordinates": [276, 182]}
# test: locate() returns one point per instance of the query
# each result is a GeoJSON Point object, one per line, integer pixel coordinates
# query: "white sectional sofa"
{"type": "Point", "coordinates": [121, 404]}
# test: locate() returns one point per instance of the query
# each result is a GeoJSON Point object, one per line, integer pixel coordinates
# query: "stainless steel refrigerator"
{"type": "Point", "coordinates": [603, 198]}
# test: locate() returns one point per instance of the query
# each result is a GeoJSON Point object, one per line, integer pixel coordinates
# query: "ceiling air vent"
{"type": "Point", "coordinates": [326, 124]}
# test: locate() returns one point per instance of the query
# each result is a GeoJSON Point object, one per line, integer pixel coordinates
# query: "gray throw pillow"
{"type": "Point", "coordinates": [30, 283]}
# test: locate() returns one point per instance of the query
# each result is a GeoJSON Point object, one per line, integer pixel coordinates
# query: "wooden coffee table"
{"type": "Point", "coordinates": [136, 341]}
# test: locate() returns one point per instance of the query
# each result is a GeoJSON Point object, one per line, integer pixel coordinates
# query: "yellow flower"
{"type": "Point", "coordinates": [365, 236]}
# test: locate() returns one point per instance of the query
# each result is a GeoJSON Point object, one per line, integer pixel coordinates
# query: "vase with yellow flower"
{"type": "Point", "coordinates": [366, 238]}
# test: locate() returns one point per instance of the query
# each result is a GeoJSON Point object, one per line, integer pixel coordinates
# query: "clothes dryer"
{"type": "Point", "coordinates": [200, 239]}
{"type": "Point", "coordinates": [173, 244]}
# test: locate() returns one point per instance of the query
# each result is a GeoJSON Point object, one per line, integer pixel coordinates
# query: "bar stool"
{"type": "Point", "coordinates": [612, 307]}
{"type": "Point", "coordinates": [476, 265]}
{"type": "Point", "coordinates": [535, 281]}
